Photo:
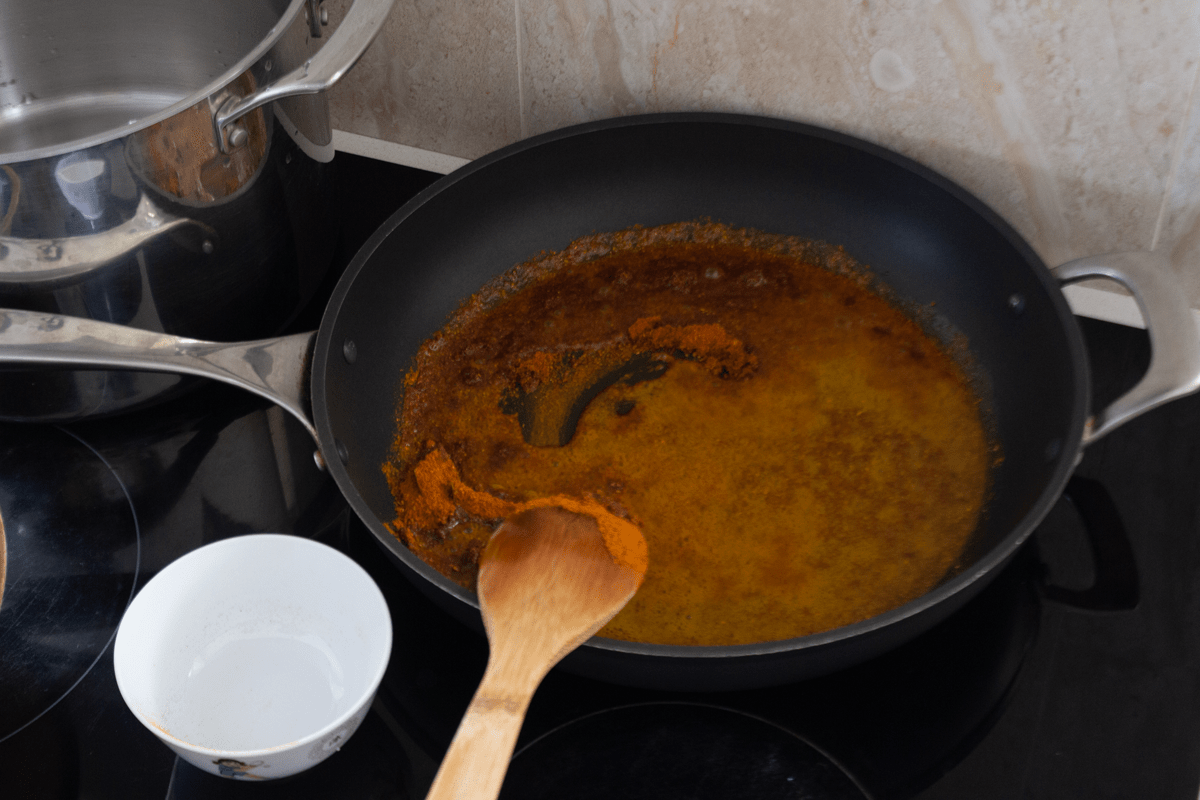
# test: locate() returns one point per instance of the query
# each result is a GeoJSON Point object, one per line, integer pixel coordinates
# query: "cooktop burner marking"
{"type": "Point", "coordinates": [3, 561]}
{"type": "Point", "coordinates": [73, 540]}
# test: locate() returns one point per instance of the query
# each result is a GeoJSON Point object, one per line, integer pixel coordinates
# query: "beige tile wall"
{"type": "Point", "coordinates": [1075, 120]}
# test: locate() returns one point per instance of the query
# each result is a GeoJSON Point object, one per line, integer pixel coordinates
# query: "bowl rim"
{"type": "Point", "coordinates": [236, 542]}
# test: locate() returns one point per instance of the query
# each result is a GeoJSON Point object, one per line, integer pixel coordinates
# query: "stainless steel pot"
{"type": "Point", "coordinates": [164, 165]}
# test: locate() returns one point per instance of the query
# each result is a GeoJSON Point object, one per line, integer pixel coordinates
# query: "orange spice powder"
{"type": "Point", "coordinates": [710, 344]}
{"type": "Point", "coordinates": [442, 493]}
{"type": "Point", "coordinates": [797, 452]}
{"type": "Point", "coordinates": [622, 539]}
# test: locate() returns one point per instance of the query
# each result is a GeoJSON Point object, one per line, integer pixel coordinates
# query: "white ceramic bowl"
{"type": "Point", "coordinates": [254, 657]}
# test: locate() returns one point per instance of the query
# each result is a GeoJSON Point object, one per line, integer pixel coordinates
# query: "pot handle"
{"type": "Point", "coordinates": [47, 263]}
{"type": "Point", "coordinates": [347, 44]}
{"type": "Point", "coordinates": [1174, 340]}
{"type": "Point", "coordinates": [276, 369]}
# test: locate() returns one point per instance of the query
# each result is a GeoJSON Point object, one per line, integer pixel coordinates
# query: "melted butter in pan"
{"type": "Point", "coordinates": [838, 478]}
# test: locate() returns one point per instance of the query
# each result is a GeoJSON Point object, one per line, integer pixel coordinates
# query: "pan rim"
{"type": "Point", "coordinates": [963, 585]}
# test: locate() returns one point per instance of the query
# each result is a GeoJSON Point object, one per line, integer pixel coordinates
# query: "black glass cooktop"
{"type": "Point", "coordinates": [1075, 674]}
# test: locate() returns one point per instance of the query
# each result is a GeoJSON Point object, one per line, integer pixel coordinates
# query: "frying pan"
{"type": "Point", "coordinates": [928, 239]}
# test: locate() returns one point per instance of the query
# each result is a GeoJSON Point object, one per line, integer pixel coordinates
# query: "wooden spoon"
{"type": "Point", "coordinates": [549, 578]}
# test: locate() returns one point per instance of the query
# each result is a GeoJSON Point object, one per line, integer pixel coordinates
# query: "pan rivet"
{"type": "Point", "coordinates": [1053, 449]}
{"type": "Point", "coordinates": [342, 452]}
{"type": "Point", "coordinates": [207, 246]}
{"type": "Point", "coordinates": [1016, 304]}
{"type": "Point", "coordinates": [350, 351]}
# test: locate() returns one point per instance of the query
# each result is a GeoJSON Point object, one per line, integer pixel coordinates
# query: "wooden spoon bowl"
{"type": "Point", "coordinates": [549, 578]}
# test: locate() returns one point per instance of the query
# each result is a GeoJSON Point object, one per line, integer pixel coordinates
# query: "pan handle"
{"type": "Point", "coordinates": [1114, 563]}
{"type": "Point", "coordinates": [1174, 340]}
{"type": "Point", "coordinates": [50, 263]}
{"type": "Point", "coordinates": [276, 369]}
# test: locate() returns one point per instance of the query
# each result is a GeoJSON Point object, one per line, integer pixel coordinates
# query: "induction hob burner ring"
{"type": "Point", "coordinates": [73, 553]}
{"type": "Point", "coordinates": [3, 560]}
{"type": "Point", "coordinates": [669, 750]}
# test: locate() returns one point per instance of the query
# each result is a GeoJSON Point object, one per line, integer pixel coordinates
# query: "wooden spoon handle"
{"type": "Point", "coordinates": [475, 764]}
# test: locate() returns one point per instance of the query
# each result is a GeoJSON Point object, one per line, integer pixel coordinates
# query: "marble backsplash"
{"type": "Point", "coordinates": [1076, 121]}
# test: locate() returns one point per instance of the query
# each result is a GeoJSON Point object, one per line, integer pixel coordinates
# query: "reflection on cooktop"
{"type": "Point", "coordinates": [72, 558]}
{"type": "Point", "coordinates": [674, 751]}
{"type": "Point", "coordinates": [371, 766]}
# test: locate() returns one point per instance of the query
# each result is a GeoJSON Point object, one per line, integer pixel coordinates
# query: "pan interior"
{"type": "Point", "coordinates": [931, 243]}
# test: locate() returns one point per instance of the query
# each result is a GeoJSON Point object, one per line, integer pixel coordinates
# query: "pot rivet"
{"type": "Point", "coordinates": [207, 246]}
{"type": "Point", "coordinates": [238, 136]}
{"type": "Point", "coordinates": [1016, 304]}
{"type": "Point", "coordinates": [342, 452]}
{"type": "Point", "coordinates": [1053, 449]}
{"type": "Point", "coordinates": [350, 351]}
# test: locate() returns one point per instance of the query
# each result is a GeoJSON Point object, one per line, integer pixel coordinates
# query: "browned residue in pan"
{"type": "Point", "coordinates": [798, 453]}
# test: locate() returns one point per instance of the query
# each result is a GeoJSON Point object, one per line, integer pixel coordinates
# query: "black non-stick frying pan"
{"type": "Point", "coordinates": [929, 240]}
